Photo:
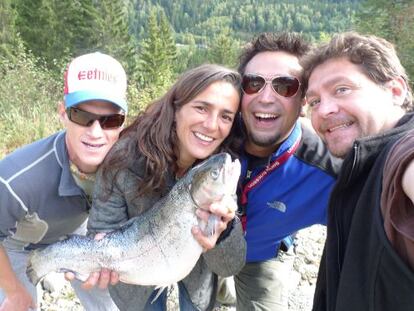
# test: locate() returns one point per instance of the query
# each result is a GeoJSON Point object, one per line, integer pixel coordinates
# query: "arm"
{"type": "Point", "coordinates": [17, 297]}
{"type": "Point", "coordinates": [408, 181]}
{"type": "Point", "coordinates": [109, 209]}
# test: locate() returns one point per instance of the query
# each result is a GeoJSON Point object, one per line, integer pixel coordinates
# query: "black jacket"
{"type": "Point", "coordinates": [360, 271]}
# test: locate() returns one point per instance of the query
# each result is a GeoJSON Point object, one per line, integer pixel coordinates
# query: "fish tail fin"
{"type": "Point", "coordinates": [32, 271]}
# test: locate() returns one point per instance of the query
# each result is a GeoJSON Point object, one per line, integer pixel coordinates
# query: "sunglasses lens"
{"type": "Point", "coordinates": [113, 121]}
{"type": "Point", "coordinates": [85, 118]}
{"type": "Point", "coordinates": [286, 86]}
{"type": "Point", "coordinates": [80, 117]}
{"type": "Point", "coordinates": [252, 84]}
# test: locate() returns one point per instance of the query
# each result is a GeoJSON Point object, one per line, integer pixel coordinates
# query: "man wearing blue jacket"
{"type": "Point", "coordinates": [287, 172]}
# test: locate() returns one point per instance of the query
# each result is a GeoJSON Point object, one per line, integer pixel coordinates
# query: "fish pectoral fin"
{"type": "Point", "coordinates": [160, 290]}
{"type": "Point", "coordinates": [209, 227]}
{"type": "Point", "coordinates": [81, 277]}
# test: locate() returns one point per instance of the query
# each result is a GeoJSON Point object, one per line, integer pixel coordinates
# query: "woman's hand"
{"type": "Point", "coordinates": [222, 212]}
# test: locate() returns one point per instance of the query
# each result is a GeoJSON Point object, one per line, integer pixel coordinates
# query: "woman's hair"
{"type": "Point", "coordinates": [153, 136]}
{"type": "Point", "coordinates": [376, 56]}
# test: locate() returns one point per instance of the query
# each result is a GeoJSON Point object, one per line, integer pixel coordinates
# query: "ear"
{"type": "Point", "coordinates": [303, 109]}
{"type": "Point", "coordinates": [61, 111]}
{"type": "Point", "coordinates": [399, 90]}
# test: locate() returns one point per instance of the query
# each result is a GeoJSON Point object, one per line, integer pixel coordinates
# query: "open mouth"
{"type": "Point", "coordinates": [203, 137]}
{"type": "Point", "coordinates": [94, 146]}
{"type": "Point", "coordinates": [265, 116]}
{"type": "Point", "coordinates": [340, 126]}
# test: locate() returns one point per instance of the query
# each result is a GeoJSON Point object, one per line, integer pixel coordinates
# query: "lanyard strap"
{"type": "Point", "coordinates": [269, 168]}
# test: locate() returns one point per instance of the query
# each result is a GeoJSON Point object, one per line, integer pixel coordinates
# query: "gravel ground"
{"type": "Point", "coordinates": [309, 246]}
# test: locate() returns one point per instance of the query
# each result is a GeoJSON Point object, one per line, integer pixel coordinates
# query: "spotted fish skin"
{"type": "Point", "coordinates": [156, 248]}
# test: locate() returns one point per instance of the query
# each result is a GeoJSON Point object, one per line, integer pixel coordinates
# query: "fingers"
{"type": "Point", "coordinates": [114, 277]}
{"type": "Point", "coordinates": [206, 243]}
{"type": "Point", "coordinates": [223, 211]}
{"type": "Point", "coordinates": [69, 276]}
{"type": "Point", "coordinates": [104, 279]}
{"type": "Point", "coordinates": [101, 279]}
{"type": "Point", "coordinates": [99, 235]}
{"type": "Point", "coordinates": [91, 281]}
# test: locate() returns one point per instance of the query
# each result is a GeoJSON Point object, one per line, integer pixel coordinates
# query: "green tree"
{"type": "Point", "coordinates": [55, 30]}
{"type": "Point", "coordinates": [224, 49]}
{"type": "Point", "coordinates": [394, 21]}
{"type": "Point", "coordinates": [10, 43]}
{"type": "Point", "coordinates": [114, 36]}
{"type": "Point", "coordinates": [156, 58]}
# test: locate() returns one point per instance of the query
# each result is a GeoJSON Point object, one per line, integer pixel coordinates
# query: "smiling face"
{"type": "Point", "coordinates": [203, 123]}
{"type": "Point", "coordinates": [88, 146]}
{"type": "Point", "coordinates": [269, 117]}
{"type": "Point", "coordinates": [347, 105]}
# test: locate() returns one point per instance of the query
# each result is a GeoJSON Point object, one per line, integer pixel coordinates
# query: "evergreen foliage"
{"type": "Point", "coordinates": [157, 55]}
{"type": "Point", "coordinates": [394, 21]}
{"type": "Point", "coordinates": [113, 34]}
{"type": "Point", "coordinates": [156, 40]}
{"type": "Point", "coordinates": [10, 43]}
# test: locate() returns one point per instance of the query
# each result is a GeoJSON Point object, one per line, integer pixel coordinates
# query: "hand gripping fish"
{"type": "Point", "coordinates": [156, 248]}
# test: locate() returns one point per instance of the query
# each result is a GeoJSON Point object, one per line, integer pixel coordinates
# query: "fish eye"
{"type": "Point", "coordinates": [215, 173]}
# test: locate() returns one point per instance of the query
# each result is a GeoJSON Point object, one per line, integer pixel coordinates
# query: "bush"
{"type": "Point", "coordinates": [28, 101]}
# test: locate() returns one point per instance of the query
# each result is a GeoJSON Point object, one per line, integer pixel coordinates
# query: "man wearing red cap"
{"type": "Point", "coordinates": [46, 187]}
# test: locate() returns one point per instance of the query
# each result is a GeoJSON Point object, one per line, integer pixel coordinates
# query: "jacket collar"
{"type": "Point", "coordinates": [366, 150]}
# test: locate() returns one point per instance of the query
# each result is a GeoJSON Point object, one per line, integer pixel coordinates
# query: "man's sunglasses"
{"type": "Point", "coordinates": [85, 118]}
{"type": "Point", "coordinates": [283, 85]}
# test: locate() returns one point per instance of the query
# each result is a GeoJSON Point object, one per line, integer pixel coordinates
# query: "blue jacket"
{"type": "Point", "coordinates": [292, 197]}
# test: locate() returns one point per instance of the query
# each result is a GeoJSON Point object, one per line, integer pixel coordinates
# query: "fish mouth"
{"type": "Point", "coordinates": [231, 173]}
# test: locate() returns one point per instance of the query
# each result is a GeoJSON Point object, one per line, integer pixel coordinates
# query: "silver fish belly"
{"type": "Point", "coordinates": [156, 248]}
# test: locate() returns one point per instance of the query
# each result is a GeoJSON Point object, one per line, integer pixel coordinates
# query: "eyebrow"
{"type": "Point", "coordinates": [332, 81]}
{"type": "Point", "coordinates": [210, 104]}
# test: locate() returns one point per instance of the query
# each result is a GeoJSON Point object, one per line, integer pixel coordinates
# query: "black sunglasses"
{"type": "Point", "coordinates": [85, 118]}
{"type": "Point", "coordinates": [283, 85]}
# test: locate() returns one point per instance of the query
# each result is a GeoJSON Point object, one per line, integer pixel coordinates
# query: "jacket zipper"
{"type": "Point", "coordinates": [338, 226]}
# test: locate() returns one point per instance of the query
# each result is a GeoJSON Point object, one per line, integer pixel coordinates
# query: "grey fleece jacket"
{"type": "Point", "coordinates": [109, 212]}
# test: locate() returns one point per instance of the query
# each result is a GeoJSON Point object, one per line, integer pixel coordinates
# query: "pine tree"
{"type": "Point", "coordinates": [394, 21]}
{"type": "Point", "coordinates": [224, 49]}
{"type": "Point", "coordinates": [114, 34]}
{"type": "Point", "coordinates": [157, 56]}
{"type": "Point", "coordinates": [10, 43]}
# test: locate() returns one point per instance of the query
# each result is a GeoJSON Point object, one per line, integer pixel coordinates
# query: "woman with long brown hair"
{"type": "Point", "coordinates": [193, 120]}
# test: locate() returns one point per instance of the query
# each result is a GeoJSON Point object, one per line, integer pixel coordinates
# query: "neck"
{"type": "Point", "coordinates": [260, 151]}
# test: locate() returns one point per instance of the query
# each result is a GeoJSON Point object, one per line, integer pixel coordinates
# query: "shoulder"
{"type": "Point", "coordinates": [32, 156]}
{"type": "Point", "coordinates": [314, 152]}
{"type": "Point", "coordinates": [400, 159]}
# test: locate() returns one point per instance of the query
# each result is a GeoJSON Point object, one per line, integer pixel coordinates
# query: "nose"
{"type": "Point", "coordinates": [327, 107]}
{"type": "Point", "coordinates": [267, 95]}
{"type": "Point", "coordinates": [211, 122]}
{"type": "Point", "coordinates": [95, 130]}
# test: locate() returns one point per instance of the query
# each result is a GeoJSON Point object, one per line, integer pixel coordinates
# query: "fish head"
{"type": "Point", "coordinates": [213, 179]}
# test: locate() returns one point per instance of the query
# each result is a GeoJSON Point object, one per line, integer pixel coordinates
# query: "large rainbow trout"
{"type": "Point", "coordinates": [156, 248]}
